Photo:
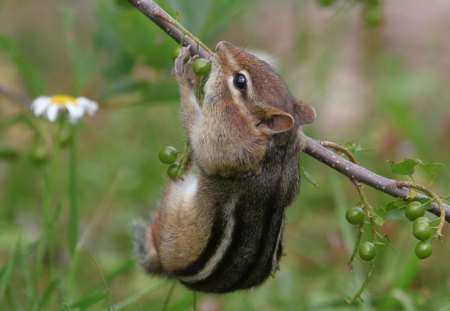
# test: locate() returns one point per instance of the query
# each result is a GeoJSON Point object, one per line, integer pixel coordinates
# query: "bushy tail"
{"type": "Point", "coordinates": [146, 257]}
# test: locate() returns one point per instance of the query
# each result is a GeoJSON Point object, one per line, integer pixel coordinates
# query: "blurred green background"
{"type": "Point", "coordinates": [384, 86]}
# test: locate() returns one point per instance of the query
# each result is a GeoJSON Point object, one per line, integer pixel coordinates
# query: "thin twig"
{"type": "Point", "coordinates": [22, 100]}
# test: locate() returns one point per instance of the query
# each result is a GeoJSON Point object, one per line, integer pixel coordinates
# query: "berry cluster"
{"type": "Point", "coordinates": [168, 155]}
{"type": "Point", "coordinates": [422, 230]}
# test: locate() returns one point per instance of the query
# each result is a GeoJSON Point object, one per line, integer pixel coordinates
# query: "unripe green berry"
{"type": "Point", "coordinates": [372, 15]}
{"type": "Point", "coordinates": [176, 52]}
{"type": "Point", "coordinates": [367, 251]}
{"type": "Point", "coordinates": [414, 210]}
{"type": "Point", "coordinates": [325, 2]}
{"type": "Point", "coordinates": [201, 66]}
{"type": "Point", "coordinates": [422, 231]}
{"type": "Point", "coordinates": [63, 137]}
{"type": "Point", "coordinates": [168, 155]}
{"type": "Point", "coordinates": [39, 155]}
{"type": "Point", "coordinates": [423, 250]}
{"type": "Point", "coordinates": [355, 215]}
{"type": "Point", "coordinates": [419, 221]}
{"type": "Point", "coordinates": [172, 170]}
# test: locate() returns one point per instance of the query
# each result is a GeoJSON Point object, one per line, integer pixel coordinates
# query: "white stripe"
{"type": "Point", "coordinates": [220, 252]}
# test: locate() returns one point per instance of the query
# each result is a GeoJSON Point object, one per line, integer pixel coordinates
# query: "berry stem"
{"type": "Point", "coordinates": [368, 210]}
{"type": "Point", "coordinates": [356, 247]}
{"type": "Point", "coordinates": [166, 17]}
{"type": "Point", "coordinates": [185, 161]}
{"type": "Point", "coordinates": [436, 198]}
{"type": "Point", "coordinates": [363, 286]}
{"type": "Point", "coordinates": [335, 146]}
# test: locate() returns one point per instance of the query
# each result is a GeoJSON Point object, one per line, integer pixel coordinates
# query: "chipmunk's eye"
{"type": "Point", "coordinates": [240, 82]}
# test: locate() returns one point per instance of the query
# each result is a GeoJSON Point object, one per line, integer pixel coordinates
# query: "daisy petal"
{"type": "Point", "coordinates": [89, 106]}
{"type": "Point", "coordinates": [52, 112]}
{"type": "Point", "coordinates": [75, 112]}
{"type": "Point", "coordinates": [39, 105]}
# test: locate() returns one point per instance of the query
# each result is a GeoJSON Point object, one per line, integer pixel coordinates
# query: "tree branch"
{"type": "Point", "coordinates": [355, 172]}
{"type": "Point", "coordinates": [313, 148]}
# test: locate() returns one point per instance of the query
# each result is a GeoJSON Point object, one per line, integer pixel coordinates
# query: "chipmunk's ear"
{"type": "Point", "coordinates": [304, 112]}
{"type": "Point", "coordinates": [277, 120]}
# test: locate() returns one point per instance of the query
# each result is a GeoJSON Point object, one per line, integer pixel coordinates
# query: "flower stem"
{"type": "Point", "coordinates": [73, 190]}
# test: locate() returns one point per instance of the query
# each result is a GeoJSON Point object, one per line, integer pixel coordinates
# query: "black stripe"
{"type": "Point", "coordinates": [272, 209]}
{"type": "Point", "coordinates": [255, 264]}
{"type": "Point", "coordinates": [217, 234]}
{"type": "Point", "coordinates": [212, 282]}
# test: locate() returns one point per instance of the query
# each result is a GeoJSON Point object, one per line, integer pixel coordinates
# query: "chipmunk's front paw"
{"type": "Point", "coordinates": [182, 69]}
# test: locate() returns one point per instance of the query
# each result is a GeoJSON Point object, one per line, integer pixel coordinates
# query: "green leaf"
{"type": "Point", "coordinates": [396, 214]}
{"type": "Point", "coordinates": [379, 220]}
{"type": "Point", "coordinates": [404, 167]}
{"type": "Point", "coordinates": [395, 204]}
{"type": "Point", "coordinates": [353, 146]}
{"type": "Point", "coordinates": [66, 307]}
{"type": "Point", "coordinates": [83, 62]}
{"type": "Point", "coordinates": [30, 75]}
{"type": "Point", "coordinates": [27, 71]}
{"type": "Point", "coordinates": [394, 210]}
{"type": "Point", "coordinates": [380, 211]}
{"type": "Point", "coordinates": [7, 270]}
{"type": "Point", "coordinates": [89, 300]}
{"type": "Point", "coordinates": [136, 36]}
{"type": "Point", "coordinates": [48, 293]}
{"type": "Point", "coordinates": [432, 169]}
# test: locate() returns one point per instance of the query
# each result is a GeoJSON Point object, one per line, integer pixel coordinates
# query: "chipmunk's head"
{"type": "Point", "coordinates": [250, 83]}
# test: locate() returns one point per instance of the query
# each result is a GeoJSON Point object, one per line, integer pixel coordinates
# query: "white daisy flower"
{"type": "Point", "coordinates": [51, 105]}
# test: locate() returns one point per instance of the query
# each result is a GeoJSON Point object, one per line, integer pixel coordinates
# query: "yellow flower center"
{"type": "Point", "coordinates": [63, 99]}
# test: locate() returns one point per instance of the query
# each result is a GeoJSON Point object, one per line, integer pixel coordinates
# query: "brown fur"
{"type": "Point", "coordinates": [245, 145]}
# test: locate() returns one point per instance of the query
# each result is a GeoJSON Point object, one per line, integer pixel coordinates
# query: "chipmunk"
{"type": "Point", "coordinates": [221, 230]}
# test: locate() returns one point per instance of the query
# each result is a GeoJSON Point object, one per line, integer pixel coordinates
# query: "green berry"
{"type": "Point", "coordinates": [168, 155]}
{"type": "Point", "coordinates": [325, 2]}
{"type": "Point", "coordinates": [172, 170]}
{"type": "Point", "coordinates": [372, 3]}
{"type": "Point", "coordinates": [367, 251]}
{"type": "Point", "coordinates": [39, 155]}
{"type": "Point", "coordinates": [355, 215]}
{"type": "Point", "coordinates": [414, 210]}
{"type": "Point", "coordinates": [423, 250]}
{"type": "Point", "coordinates": [63, 137]}
{"type": "Point", "coordinates": [372, 15]}
{"type": "Point", "coordinates": [175, 53]}
{"type": "Point", "coordinates": [421, 220]}
{"type": "Point", "coordinates": [422, 231]}
{"type": "Point", "coordinates": [201, 66]}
